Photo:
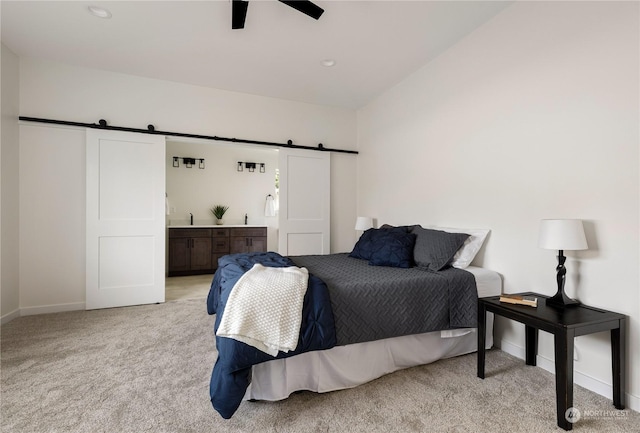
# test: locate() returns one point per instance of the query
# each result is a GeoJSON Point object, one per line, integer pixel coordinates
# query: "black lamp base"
{"type": "Point", "coordinates": [561, 300]}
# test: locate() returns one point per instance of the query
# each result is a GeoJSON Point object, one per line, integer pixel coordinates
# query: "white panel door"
{"type": "Point", "coordinates": [125, 219]}
{"type": "Point", "coordinates": [304, 219]}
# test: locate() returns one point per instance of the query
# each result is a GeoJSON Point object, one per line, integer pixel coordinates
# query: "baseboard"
{"type": "Point", "coordinates": [585, 381]}
{"type": "Point", "coordinates": [9, 317]}
{"type": "Point", "coordinates": [56, 308]}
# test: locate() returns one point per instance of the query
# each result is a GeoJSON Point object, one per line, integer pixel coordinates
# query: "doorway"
{"type": "Point", "coordinates": [195, 190]}
{"type": "Point", "coordinates": [242, 178]}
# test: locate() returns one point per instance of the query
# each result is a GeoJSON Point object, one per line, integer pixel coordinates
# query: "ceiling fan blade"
{"type": "Point", "coordinates": [306, 7]}
{"type": "Point", "coordinates": [238, 13]}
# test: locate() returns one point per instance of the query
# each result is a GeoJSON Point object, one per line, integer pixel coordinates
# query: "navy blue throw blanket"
{"type": "Point", "coordinates": [232, 370]}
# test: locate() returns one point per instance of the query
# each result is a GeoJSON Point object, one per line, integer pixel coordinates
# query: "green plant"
{"type": "Point", "coordinates": [219, 210]}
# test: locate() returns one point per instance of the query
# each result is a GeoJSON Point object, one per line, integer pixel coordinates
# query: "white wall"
{"type": "Point", "coordinates": [534, 115]}
{"type": "Point", "coordinates": [9, 202]}
{"type": "Point", "coordinates": [52, 159]}
{"type": "Point", "coordinates": [52, 219]}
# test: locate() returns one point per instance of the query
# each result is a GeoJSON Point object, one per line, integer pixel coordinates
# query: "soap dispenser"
{"type": "Point", "coordinates": [246, 217]}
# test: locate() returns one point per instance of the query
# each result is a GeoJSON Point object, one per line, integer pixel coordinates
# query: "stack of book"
{"type": "Point", "coordinates": [531, 301]}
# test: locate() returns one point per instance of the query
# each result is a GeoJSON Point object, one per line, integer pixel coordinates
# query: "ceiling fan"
{"type": "Point", "coordinates": [239, 10]}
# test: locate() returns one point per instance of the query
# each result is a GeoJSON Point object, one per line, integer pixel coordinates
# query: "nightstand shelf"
{"type": "Point", "coordinates": [564, 324]}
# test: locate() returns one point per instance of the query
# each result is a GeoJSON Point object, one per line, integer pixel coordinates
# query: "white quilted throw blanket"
{"type": "Point", "coordinates": [264, 309]}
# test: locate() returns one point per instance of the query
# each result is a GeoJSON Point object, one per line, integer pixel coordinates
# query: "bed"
{"type": "Point", "coordinates": [404, 296]}
{"type": "Point", "coordinates": [341, 367]}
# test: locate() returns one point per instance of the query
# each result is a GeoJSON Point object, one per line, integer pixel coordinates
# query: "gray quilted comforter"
{"type": "Point", "coordinates": [376, 302]}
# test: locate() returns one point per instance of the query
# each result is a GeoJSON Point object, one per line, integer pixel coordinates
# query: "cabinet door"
{"type": "Point", "coordinates": [238, 244]}
{"type": "Point", "coordinates": [257, 244]}
{"type": "Point", "coordinates": [214, 260]}
{"type": "Point", "coordinates": [179, 254]}
{"type": "Point", "coordinates": [200, 254]}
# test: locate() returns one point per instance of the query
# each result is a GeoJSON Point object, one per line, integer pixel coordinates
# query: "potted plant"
{"type": "Point", "coordinates": [218, 211]}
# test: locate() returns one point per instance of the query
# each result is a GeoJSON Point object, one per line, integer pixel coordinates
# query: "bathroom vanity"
{"type": "Point", "coordinates": [196, 249]}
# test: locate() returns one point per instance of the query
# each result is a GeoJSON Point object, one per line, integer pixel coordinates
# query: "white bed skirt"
{"type": "Point", "coordinates": [342, 367]}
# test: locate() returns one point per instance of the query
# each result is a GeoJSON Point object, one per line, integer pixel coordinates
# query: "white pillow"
{"type": "Point", "coordinates": [465, 255]}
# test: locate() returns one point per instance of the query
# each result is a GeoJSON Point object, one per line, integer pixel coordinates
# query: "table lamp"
{"type": "Point", "coordinates": [562, 234]}
{"type": "Point", "coordinates": [364, 223]}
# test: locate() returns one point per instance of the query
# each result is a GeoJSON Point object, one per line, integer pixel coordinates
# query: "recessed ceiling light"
{"type": "Point", "coordinates": [328, 63]}
{"type": "Point", "coordinates": [99, 12]}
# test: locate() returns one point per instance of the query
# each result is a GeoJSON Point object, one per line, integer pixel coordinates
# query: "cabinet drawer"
{"type": "Point", "coordinates": [189, 233]}
{"type": "Point", "coordinates": [220, 233]}
{"type": "Point", "coordinates": [220, 245]}
{"type": "Point", "coordinates": [249, 231]}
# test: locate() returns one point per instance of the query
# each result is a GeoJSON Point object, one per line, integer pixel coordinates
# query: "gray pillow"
{"type": "Point", "coordinates": [434, 249]}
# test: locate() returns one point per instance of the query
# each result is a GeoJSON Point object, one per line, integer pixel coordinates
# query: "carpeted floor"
{"type": "Point", "coordinates": [147, 369]}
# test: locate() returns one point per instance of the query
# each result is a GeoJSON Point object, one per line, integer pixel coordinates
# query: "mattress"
{"type": "Point", "coordinates": [341, 367]}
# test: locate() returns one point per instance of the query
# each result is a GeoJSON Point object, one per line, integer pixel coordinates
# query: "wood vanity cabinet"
{"type": "Point", "coordinates": [197, 250]}
{"type": "Point", "coordinates": [189, 251]}
{"type": "Point", "coordinates": [248, 240]}
{"type": "Point", "coordinates": [220, 246]}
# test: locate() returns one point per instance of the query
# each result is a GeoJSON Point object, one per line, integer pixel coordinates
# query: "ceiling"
{"type": "Point", "coordinates": [375, 44]}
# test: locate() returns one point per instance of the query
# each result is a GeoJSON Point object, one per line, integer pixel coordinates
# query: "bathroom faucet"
{"type": "Point", "coordinates": [246, 217]}
{"type": "Point", "coordinates": [191, 218]}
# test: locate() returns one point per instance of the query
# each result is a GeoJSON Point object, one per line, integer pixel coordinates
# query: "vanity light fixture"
{"type": "Point", "coordinates": [251, 166]}
{"type": "Point", "coordinates": [188, 161]}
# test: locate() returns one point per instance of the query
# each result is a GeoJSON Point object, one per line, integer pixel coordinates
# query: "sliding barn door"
{"type": "Point", "coordinates": [125, 219]}
{"type": "Point", "coordinates": [304, 219]}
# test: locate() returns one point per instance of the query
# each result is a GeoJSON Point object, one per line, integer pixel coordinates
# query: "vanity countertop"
{"type": "Point", "coordinates": [210, 226]}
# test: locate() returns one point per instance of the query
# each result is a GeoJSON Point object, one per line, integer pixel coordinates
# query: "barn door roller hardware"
{"type": "Point", "coordinates": [102, 124]}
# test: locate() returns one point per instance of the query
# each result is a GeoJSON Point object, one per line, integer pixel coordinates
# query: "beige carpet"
{"type": "Point", "coordinates": [147, 369]}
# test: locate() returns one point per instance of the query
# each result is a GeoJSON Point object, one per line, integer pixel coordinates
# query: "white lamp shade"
{"type": "Point", "coordinates": [562, 234]}
{"type": "Point", "coordinates": [364, 223]}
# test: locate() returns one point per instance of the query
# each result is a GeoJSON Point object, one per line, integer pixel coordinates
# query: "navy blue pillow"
{"type": "Point", "coordinates": [393, 248]}
{"type": "Point", "coordinates": [367, 243]}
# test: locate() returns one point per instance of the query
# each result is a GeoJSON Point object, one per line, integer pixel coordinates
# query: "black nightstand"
{"type": "Point", "coordinates": [564, 324]}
